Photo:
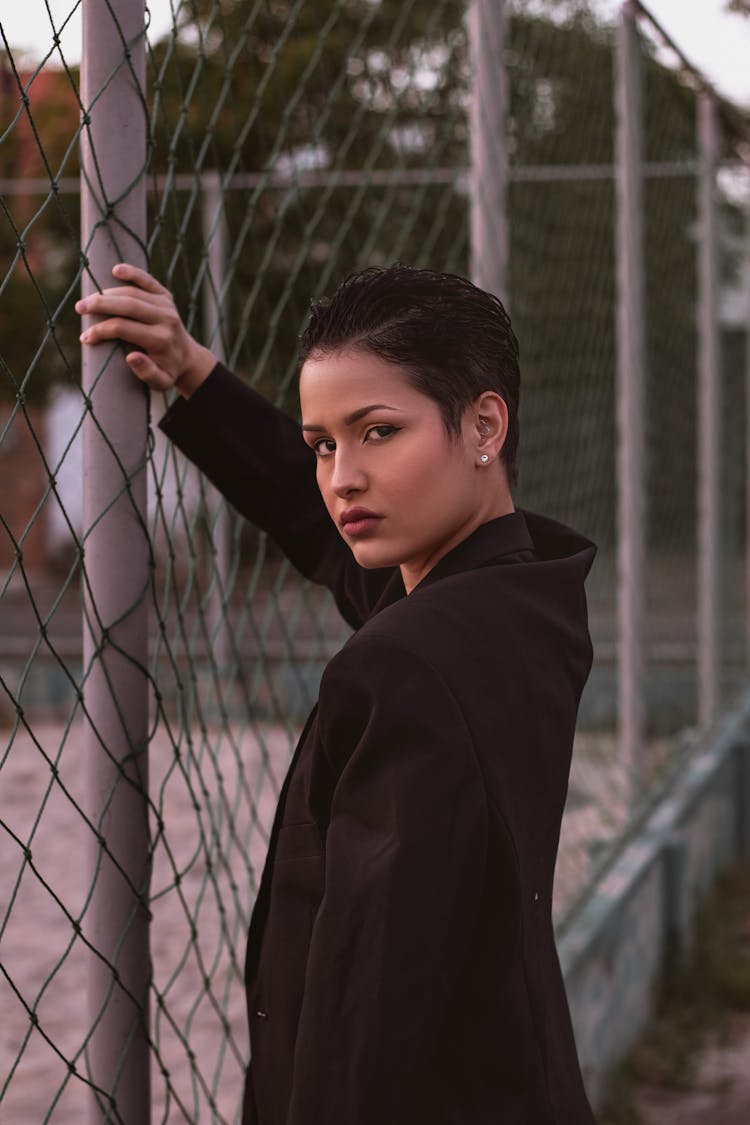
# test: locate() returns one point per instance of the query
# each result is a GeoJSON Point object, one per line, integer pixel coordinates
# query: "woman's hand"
{"type": "Point", "coordinates": [142, 313]}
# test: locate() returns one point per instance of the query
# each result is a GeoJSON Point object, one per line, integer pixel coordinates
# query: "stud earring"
{"type": "Point", "coordinates": [484, 458]}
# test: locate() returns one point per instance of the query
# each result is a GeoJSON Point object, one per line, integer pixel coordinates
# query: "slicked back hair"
{"type": "Point", "coordinates": [452, 340]}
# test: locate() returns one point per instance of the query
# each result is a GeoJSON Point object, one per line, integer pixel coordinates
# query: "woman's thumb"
{"type": "Point", "coordinates": [144, 368]}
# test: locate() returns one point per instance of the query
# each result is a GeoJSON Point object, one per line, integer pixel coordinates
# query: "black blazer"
{"type": "Point", "coordinates": [401, 965]}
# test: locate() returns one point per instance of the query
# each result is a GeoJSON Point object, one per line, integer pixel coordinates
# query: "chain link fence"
{"type": "Point", "coordinates": [286, 144]}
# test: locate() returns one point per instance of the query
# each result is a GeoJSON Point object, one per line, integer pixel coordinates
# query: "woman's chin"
{"type": "Point", "coordinates": [372, 556]}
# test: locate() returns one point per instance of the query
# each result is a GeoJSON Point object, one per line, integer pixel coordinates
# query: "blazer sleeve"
{"type": "Point", "coordinates": [405, 864]}
{"type": "Point", "coordinates": [257, 458]}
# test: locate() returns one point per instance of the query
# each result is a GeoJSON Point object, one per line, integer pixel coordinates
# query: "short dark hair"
{"type": "Point", "coordinates": [453, 340]}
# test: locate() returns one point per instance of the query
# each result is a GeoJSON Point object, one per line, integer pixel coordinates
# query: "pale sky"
{"type": "Point", "coordinates": [714, 40]}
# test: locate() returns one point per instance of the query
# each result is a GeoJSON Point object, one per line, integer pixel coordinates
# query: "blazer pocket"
{"type": "Point", "coordinates": [299, 841]}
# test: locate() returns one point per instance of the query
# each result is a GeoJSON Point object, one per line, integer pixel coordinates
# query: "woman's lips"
{"type": "Point", "coordinates": [359, 521]}
{"type": "Point", "coordinates": [362, 526]}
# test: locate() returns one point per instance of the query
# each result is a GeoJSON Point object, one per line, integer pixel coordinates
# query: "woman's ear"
{"type": "Point", "coordinates": [489, 423]}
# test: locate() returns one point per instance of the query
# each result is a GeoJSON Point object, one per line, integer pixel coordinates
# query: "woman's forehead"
{"type": "Point", "coordinates": [338, 383]}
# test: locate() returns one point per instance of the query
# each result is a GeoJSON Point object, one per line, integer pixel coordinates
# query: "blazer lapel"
{"type": "Point", "coordinates": [504, 536]}
{"type": "Point", "coordinates": [499, 538]}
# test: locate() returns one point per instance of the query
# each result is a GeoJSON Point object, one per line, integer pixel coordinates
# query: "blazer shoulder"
{"type": "Point", "coordinates": [381, 691]}
{"type": "Point", "coordinates": [431, 622]}
{"type": "Point", "coordinates": [487, 611]}
{"type": "Point", "coordinates": [384, 649]}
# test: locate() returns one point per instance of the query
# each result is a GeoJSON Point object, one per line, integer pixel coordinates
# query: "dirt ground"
{"type": "Point", "coordinates": [721, 1084]}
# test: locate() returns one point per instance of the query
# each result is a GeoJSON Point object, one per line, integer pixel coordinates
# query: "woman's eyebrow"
{"type": "Point", "coordinates": [355, 416]}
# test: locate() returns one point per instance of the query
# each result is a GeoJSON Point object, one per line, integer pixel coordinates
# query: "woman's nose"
{"type": "Point", "coordinates": [347, 476]}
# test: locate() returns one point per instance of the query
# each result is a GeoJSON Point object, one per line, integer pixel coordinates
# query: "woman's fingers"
{"type": "Point", "coordinates": [123, 271]}
{"type": "Point", "coordinates": [124, 302]}
{"type": "Point", "coordinates": [143, 314]}
{"type": "Point", "coordinates": [142, 287]}
{"type": "Point", "coordinates": [135, 332]}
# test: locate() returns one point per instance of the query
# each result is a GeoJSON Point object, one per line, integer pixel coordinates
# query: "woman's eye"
{"type": "Point", "coordinates": [324, 447]}
{"type": "Point", "coordinates": [378, 433]}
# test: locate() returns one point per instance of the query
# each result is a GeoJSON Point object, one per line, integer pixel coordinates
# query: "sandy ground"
{"type": "Point", "coordinates": [217, 811]}
{"type": "Point", "coordinates": [217, 848]}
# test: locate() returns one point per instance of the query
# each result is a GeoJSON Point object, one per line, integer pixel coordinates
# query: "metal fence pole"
{"type": "Point", "coordinates": [215, 239]}
{"type": "Point", "coordinates": [113, 213]}
{"type": "Point", "coordinates": [631, 365]}
{"type": "Point", "coordinates": [709, 414]}
{"type": "Point", "coordinates": [746, 281]}
{"type": "Point", "coordinates": [489, 150]}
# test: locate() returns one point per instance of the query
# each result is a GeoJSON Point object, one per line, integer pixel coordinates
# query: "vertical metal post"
{"type": "Point", "coordinates": [746, 282]}
{"type": "Point", "coordinates": [489, 149]}
{"type": "Point", "coordinates": [113, 214]}
{"type": "Point", "coordinates": [631, 364]}
{"type": "Point", "coordinates": [709, 414]}
{"type": "Point", "coordinates": [215, 239]}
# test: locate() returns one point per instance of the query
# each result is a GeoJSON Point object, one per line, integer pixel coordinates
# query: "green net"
{"type": "Point", "coordinates": [290, 143]}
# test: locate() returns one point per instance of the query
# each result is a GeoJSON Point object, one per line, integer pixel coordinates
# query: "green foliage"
{"type": "Point", "coordinates": [297, 87]}
{"type": "Point", "coordinates": [261, 80]}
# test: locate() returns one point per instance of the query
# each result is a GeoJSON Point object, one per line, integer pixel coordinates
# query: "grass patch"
{"type": "Point", "coordinates": [699, 994]}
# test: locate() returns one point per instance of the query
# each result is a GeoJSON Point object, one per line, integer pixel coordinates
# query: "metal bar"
{"type": "Point", "coordinates": [215, 243]}
{"type": "Point", "coordinates": [709, 415]}
{"type": "Point", "coordinates": [115, 638]}
{"type": "Point", "coordinates": [746, 279]}
{"type": "Point", "coordinates": [640, 10]}
{"type": "Point", "coordinates": [356, 177]}
{"type": "Point", "coordinates": [631, 365]}
{"type": "Point", "coordinates": [734, 119]}
{"type": "Point", "coordinates": [575, 173]}
{"type": "Point", "coordinates": [215, 239]}
{"type": "Point", "coordinates": [488, 182]}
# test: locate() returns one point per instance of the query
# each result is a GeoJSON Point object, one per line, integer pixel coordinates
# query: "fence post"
{"type": "Point", "coordinates": [215, 240]}
{"type": "Point", "coordinates": [631, 364]}
{"type": "Point", "coordinates": [746, 282]}
{"type": "Point", "coordinates": [115, 640]}
{"type": "Point", "coordinates": [489, 150]}
{"type": "Point", "coordinates": [709, 413]}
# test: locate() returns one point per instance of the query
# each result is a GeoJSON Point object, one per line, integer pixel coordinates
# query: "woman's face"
{"type": "Point", "coordinates": [399, 488]}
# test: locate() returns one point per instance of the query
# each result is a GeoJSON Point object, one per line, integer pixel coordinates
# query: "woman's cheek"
{"type": "Point", "coordinates": [323, 478]}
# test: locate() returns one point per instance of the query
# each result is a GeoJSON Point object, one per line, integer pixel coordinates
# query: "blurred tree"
{"type": "Point", "coordinates": [39, 229]}
{"type": "Point", "coordinates": [291, 88]}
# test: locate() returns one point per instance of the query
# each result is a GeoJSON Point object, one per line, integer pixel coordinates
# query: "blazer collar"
{"type": "Point", "coordinates": [506, 535]}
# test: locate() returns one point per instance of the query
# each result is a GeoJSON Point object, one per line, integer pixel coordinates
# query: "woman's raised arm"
{"type": "Point", "coordinates": [251, 451]}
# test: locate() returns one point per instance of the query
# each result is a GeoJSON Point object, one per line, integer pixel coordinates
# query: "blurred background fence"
{"type": "Point", "coordinates": [253, 155]}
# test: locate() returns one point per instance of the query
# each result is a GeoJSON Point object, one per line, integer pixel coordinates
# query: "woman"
{"type": "Point", "coordinates": [401, 967]}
